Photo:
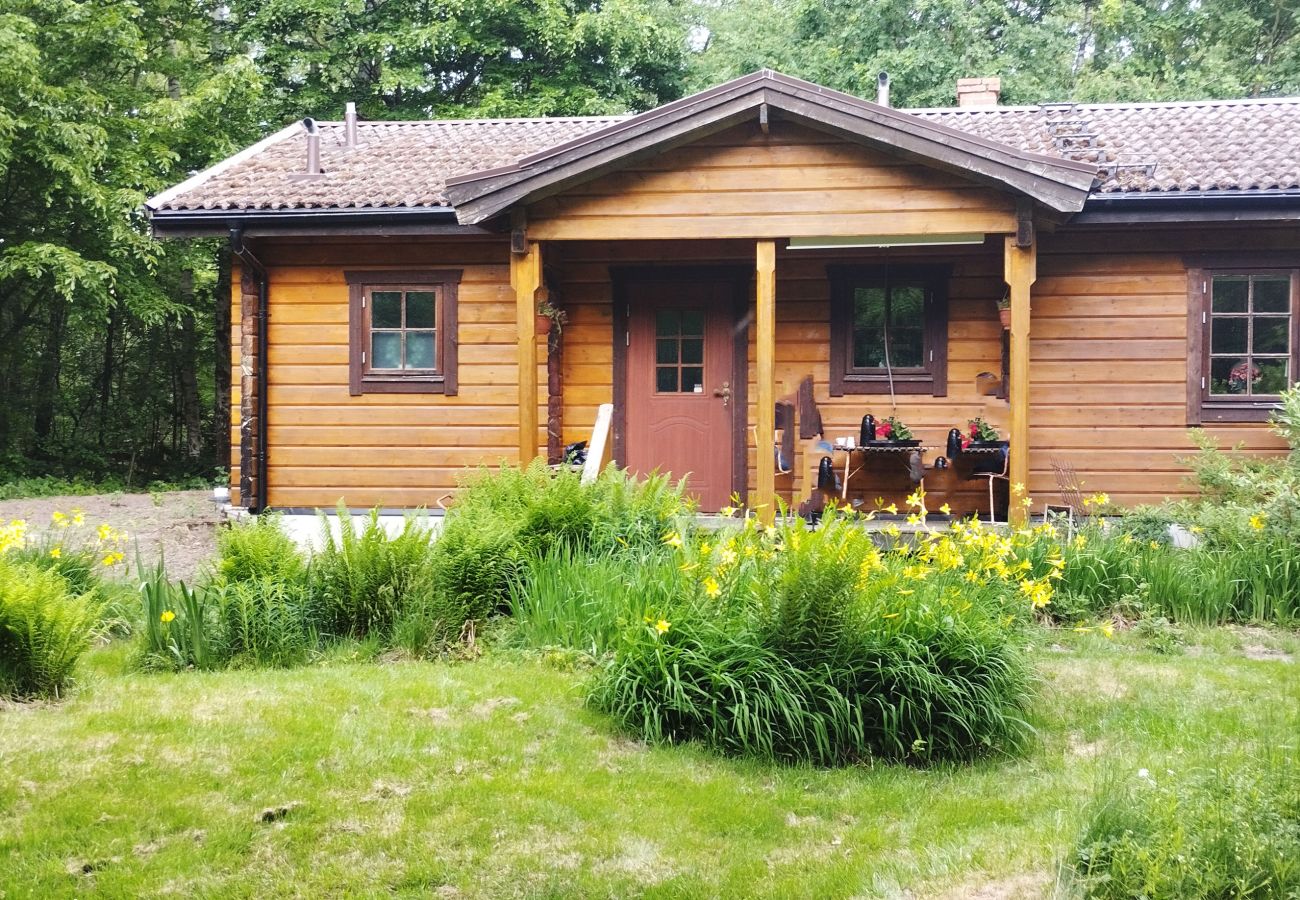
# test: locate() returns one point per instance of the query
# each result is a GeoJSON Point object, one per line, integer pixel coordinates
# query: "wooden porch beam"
{"type": "Point", "coordinates": [1020, 270]}
{"type": "Point", "coordinates": [765, 375]}
{"type": "Point", "coordinates": [526, 278]}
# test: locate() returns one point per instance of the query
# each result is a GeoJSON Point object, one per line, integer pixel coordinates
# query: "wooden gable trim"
{"type": "Point", "coordinates": [1060, 186]}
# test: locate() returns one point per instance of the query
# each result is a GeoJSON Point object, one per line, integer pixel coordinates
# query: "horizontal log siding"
{"type": "Point", "coordinates": [791, 181]}
{"type": "Point", "coordinates": [236, 382]}
{"type": "Point", "coordinates": [1109, 360]}
{"type": "Point", "coordinates": [395, 450]}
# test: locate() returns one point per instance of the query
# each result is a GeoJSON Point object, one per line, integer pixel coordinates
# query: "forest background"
{"type": "Point", "coordinates": [114, 347]}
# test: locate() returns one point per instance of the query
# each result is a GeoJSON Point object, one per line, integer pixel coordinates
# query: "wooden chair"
{"type": "Point", "coordinates": [783, 466]}
{"type": "Point", "coordinates": [1071, 505]}
{"type": "Point", "coordinates": [1004, 475]}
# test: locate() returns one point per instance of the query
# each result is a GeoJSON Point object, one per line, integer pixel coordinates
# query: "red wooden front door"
{"type": "Point", "coordinates": [679, 391]}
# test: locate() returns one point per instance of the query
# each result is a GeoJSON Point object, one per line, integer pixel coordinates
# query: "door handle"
{"type": "Point", "coordinates": [724, 392]}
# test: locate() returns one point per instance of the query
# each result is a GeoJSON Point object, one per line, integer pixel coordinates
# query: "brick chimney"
{"type": "Point", "coordinates": [978, 91]}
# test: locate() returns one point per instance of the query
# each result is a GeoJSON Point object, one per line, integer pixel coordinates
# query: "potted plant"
{"type": "Point", "coordinates": [981, 434]}
{"type": "Point", "coordinates": [893, 430]}
{"type": "Point", "coordinates": [549, 316]}
{"type": "Point", "coordinates": [1004, 311]}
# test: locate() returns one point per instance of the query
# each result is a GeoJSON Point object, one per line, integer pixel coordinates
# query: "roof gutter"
{"type": "Point", "coordinates": [200, 222]}
{"type": "Point", "coordinates": [1189, 207]}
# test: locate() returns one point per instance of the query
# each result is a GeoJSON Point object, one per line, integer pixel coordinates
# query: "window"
{"type": "Point", "coordinates": [679, 351]}
{"type": "Point", "coordinates": [889, 320]}
{"type": "Point", "coordinates": [403, 331]}
{"type": "Point", "coordinates": [1242, 337]}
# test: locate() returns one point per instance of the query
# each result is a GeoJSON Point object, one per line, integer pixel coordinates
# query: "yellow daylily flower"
{"type": "Point", "coordinates": [78, 517]}
{"type": "Point", "coordinates": [56, 552]}
{"type": "Point", "coordinates": [711, 586]}
{"type": "Point", "coordinates": [662, 626]}
{"type": "Point", "coordinates": [167, 615]}
{"type": "Point", "coordinates": [1257, 522]}
{"type": "Point", "coordinates": [673, 539]}
{"type": "Point", "coordinates": [946, 509]}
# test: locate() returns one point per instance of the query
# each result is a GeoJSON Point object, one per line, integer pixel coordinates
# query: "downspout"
{"type": "Point", "coordinates": [256, 501]}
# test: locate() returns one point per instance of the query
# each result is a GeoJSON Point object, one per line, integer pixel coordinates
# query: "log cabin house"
{"type": "Point", "coordinates": [711, 254]}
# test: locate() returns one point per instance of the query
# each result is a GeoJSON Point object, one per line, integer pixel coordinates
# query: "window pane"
{"type": "Point", "coordinates": [692, 379]}
{"type": "Point", "coordinates": [906, 305]}
{"type": "Point", "coordinates": [1274, 376]}
{"type": "Point", "coordinates": [1272, 334]}
{"type": "Point", "coordinates": [1229, 293]}
{"type": "Point", "coordinates": [868, 349]}
{"type": "Point", "coordinates": [692, 350]}
{"type": "Point", "coordinates": [1228, 335]}
{"type": "Point", "coordinates": [386, 350]}
{"type": "Point", "coordinates": [1231, 375]}
{"type": "Point", "coordinates": [667, 323]}
{"type": "Point", "coordinates": [419, 350]}
{"type": "Point", "coordinates": [906, 347]}
{"type": "Point", "coordinates": [1272, 294]}
{"type": "Point", "coordinates": [419, 309]}
{"type": "Point", "coordinates": [692, 322]}
{"type": "Point", "coordinates": [386, 309]}
{"type": "Point", "coordinates": [666, 350]}
{"type": "Point", "coordinates": [666, 379]}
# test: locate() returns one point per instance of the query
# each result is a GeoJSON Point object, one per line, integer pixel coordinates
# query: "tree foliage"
{"type": "Point", "coordinates": [114, 347]}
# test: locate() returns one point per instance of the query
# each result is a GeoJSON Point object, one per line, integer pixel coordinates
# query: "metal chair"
{"type": "Point", "coordinates": [1072, 506]}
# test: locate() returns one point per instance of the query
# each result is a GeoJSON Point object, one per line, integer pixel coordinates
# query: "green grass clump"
{"type": "Point", "coordinates": [814, 646]}
{"type": "Point", "coordinates": [265, 622]}
{"type": "Point", "coordinates": [362, 581]}
{"type": "Point", "coordinates": [257, 550]}
{"type": "Point", "coordinates": [180, 627]}
{"type": "Point", "coordinates": [1228, 831]}
{"type": "Point", "coordinates": [44, 629]}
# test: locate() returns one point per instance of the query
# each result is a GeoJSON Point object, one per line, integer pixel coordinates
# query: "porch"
{"type": "Point", "coordinates": [778, 310]}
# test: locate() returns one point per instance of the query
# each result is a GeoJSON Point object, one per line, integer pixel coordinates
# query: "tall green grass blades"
{"type": "Point", "coordinates": [583, 602]}
{"type": "Point", "coordinates": [265, 622]}
{"type": "Point", "coordinates": [44, 629]}
{"type": "Point", "coordinates": [361, 580]}
{"type": "Point", "coordinates": [258, 550]}
{"type": "Point", "coordinates": [179, 627]}
{"type": "Point", "coordinates": [1233, 831]}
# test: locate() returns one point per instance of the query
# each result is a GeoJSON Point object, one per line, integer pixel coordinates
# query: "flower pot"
{"type": "Point", "coordinates": [1004, 316]}
{"type": "Point", "coordinates": [543, 324]}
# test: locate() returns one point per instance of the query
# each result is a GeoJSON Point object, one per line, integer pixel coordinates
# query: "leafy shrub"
{"type": "Point", "coordinates": [264, 622]}
{"type": "Point", "coordinates": [1160, 635]}
{"type": "Point", "coordinates": [361, 581]}
{"type": "Point", "coordinates": [179, 623]}
{"type": "Point", "coordinates": [44, 629]}
{"type": "Point", "coordinates": [506, 519]}
{"type": "Point", "coordinates": [257, 551]}
{"type": "Point", "coordinates": [815, 646]}
{"type": "Point", "coordinates": [1231, 832]}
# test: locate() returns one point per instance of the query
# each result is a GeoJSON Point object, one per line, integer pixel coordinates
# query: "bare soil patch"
{"type": "Point", "coordinates": [179, 526]}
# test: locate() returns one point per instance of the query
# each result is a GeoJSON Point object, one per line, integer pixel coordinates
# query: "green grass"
{"type": "Point", "coordinates": [490, 778]}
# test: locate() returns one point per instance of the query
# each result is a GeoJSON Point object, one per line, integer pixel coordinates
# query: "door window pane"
{"type": "Point", "coordinates": [692, 380]}
{"type": "Point", "coordinates": [666, 350]}
{"type": "Point", "coordinates": [692, 323]}
{"type": "Point", "coordinates": [693, 350]}
{"type": "Point", "coordinates": [667, 323]}
{"type": "Point", "coordinates": [666, 379]}
{"type": "Point", "coordinates": [679, 351]}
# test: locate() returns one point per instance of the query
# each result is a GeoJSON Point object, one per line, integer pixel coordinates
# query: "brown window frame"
{"type": "Point", "coordinates": [930, 379]}
{"type": "Point", "coordinates": [445, 284]}
{"type": "Point", "coordinates": [1202, 407]}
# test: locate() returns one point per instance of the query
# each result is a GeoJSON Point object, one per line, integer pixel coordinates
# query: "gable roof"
{"type": "Point", "coordinates": [1216, 148]}
{"type": "Point", "coordinates": [1059, 184]}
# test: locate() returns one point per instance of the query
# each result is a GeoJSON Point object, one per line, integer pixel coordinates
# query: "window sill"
{"type": "Point", "coordinates": [1232, 411]}
{"type": "Point", "coordinates": [401, 384]}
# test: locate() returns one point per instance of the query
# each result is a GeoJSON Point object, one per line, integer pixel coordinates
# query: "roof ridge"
{"type": "Point", "coordinates": [519, 120]}
{"type": "Point", "coordinates": [1145, 104]}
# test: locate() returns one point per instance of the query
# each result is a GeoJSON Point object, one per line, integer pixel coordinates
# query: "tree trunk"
{"type": "Point", "coordinates": [106, 373]}
{"type": "Point", "coordinates": [47, 378]}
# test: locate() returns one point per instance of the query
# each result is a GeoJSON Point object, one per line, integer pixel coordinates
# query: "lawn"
{"type": "Point", "coordinates": [490, 778]}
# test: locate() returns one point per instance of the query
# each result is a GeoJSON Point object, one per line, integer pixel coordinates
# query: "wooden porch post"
{"type": "Point", "coordinates": [765, 281]}
{"type": "Point", "coordinates": [526, 278]}
{"type": "Point", "coordinates": [1020, 271]}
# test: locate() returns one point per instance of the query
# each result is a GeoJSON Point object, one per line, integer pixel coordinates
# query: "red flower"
{"type": "Point", "coordinates": [884, 429]}
{"type": "Point", "coordinates": [965, 442]}
{"type": "Point", "coordinates": [974, 430]}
